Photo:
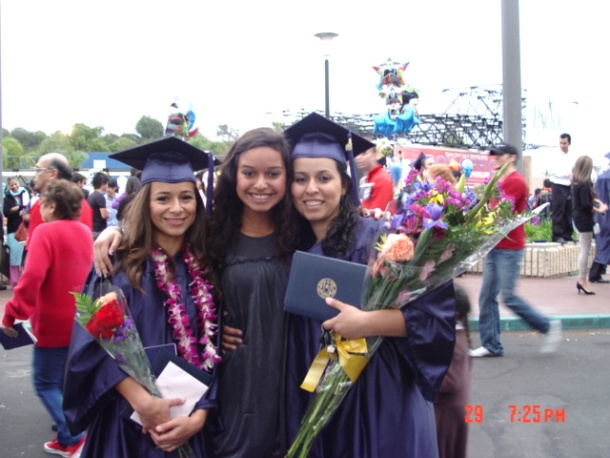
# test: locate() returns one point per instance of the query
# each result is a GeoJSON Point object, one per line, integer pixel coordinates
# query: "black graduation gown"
{"type": "Point", "coordinates": [602, 240]}
{"type": "Point", "coordinates": [388, 412]}
{"type": "Point", "coordinates": [254, 281]}
{"type": "Point", "coordinates": [90, 400]}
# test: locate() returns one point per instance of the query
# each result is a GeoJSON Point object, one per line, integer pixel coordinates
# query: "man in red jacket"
{"type": "Point", "coordinates": [53, 166]}
{"type": "Point", "coordinates": [501, 270]}
{"type": "Point", "coordinates": [377, 190]}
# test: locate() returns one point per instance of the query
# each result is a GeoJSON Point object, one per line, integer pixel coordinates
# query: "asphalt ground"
{"type": "Point", "coordinates": [560, 401]}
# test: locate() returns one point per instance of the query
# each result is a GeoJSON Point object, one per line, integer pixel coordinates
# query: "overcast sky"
{"type": "Point", "coordinates": [107, 63]}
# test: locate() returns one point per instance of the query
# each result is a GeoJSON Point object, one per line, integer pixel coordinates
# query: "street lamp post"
{"type": "Point", "coordinates": [326, 38]}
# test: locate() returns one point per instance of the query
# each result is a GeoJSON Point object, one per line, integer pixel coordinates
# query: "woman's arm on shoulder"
{"type": "Point", "coordinates": [105, 246]}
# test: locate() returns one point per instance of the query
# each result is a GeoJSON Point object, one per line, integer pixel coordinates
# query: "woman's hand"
{"type": "Point", "coordinates": [231, 338]}
{"type": "Point", "coordinates": [175, 432]}
{"type": "Point", "coordinates": [152, 411]}
{"type": "Point", "coordinates": [104, 247]}
{"type": "Point", "coordinates": [156, 411]}
{"type": "Point", "coordinates": [350, 323]}
{"type": "Point", "coordinates": [376, 213]}
{"type": "Point", "coordinates": [353, 323]}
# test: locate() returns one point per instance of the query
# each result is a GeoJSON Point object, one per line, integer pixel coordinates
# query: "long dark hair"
{"type": "Point", "coordinates": [225, 222]}
{"type": "Point", "coordinates": [340, 237]}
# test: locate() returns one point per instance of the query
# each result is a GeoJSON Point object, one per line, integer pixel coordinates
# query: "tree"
{"type": "Point", "coordinates": [85, 138]}
{"type": "Point", "coordinates": [226, 133]}
{"type": "Point", "coordinates": [149, 129]}
{"type": "Point", "coordinates": [14, 156]}
{"type": "Point", "coordinates": [55, 143]}
{"type": "Point", "coordinates": [218, 148]}
{"type": "Point", "coordinates": [122, 143]}
{"type": "Point", "coordinates": [29, 140]}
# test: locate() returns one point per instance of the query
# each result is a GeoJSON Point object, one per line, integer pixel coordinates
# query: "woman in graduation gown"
{"type": "Point", "coordinates": [249, 243]}
{"type": "Point", "coordinates": [389, 411]}
{"type": "Point", "coordinates": [249, 246]}
{"type": "Point", "coordinates": [163, 232]}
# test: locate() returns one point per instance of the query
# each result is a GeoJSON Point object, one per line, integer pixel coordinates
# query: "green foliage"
{"type": "Point", "coordinates": [122, 143]}
{"type": "Point", "coordinates": [542, 231]}
{"type": "Point", "coordinates": [219, 149]}
{"type": "Point", "coordinates": [22, 148]}
{"type": "Point", "coordinates": [149, 129]}
{"type": "Point", "coordinates": [57, 142]}
{"type": "Point", "coordinates": [13, 154]}
{"type": "Point", "coordinates": [29, 140]}
{"type": "Point", "coordinates": [226, 133]}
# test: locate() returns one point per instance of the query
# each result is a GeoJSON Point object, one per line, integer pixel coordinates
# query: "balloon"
{"type": "Point", "coordinates": [467, 167]}
{"type": "Point", "coordinates": [400, 117]}
{"type": "Point", "coordinates": [406, 120]}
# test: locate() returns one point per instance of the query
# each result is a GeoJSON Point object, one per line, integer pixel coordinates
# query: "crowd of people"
{"type": "Point", "coordinates": [214, 286]}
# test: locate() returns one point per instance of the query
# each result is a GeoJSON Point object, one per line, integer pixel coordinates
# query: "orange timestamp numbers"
{"type": "Point", "coordinates": [526, 413]}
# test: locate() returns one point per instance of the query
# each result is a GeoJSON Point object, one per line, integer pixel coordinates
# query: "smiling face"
{"type": "Point", "coordinates": [261, 179]}
{"type": "Point", "coordinates": [172, 210]}
{"type": "Point", "coordinates": [13, 185]}
{"type": "Point", "coordinates": [316, 192]}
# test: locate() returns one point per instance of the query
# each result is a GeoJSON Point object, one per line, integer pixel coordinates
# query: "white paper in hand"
{"type": "Point", "coordinates": [173, 382]}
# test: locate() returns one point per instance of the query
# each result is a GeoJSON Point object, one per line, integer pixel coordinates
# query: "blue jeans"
{"type": "Point", "coordinates": [49, 366]}
{"type": "Point", "coordinates": [500, 274]}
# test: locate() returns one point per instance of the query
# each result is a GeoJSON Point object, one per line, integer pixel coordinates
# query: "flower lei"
{"type": "Point", "coordinates": [178, 318]}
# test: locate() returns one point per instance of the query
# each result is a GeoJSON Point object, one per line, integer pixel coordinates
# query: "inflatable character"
{"type": "Point", "coordinates": [180, 124]}
{"type": "Point", "coordinates": [400, 98]}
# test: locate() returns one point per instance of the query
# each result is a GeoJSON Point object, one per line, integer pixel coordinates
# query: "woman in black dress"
{"type": "Point", "coordinates": [585, 205]}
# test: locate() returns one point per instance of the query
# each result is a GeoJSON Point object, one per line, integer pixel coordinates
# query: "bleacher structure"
{"type": "Point", "coordinates": [473, 120]}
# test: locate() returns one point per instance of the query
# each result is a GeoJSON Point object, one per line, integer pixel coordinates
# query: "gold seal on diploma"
{"type": "Point", "coordinates": [326, 288]}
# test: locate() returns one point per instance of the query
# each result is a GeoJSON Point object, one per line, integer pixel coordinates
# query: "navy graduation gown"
{"type": "Point", "coordinates": [389, 411]}
{"type": "Point", "coordinates": [602, 240]}
{"type": "Point", "coordinates": [90, 400]}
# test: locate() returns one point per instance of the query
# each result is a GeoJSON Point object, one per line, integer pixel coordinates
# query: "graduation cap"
{"type": "Point", "coordinates": [419, 162]}
{"type": "Point", "coordinates": [169, 160]}
{"type": "Point", "coordinates": [315, 136]}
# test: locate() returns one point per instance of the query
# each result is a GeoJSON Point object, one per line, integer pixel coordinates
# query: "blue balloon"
{"type": "Point", "coordinates": [467, 167]}
{"type": "Point", "coordinates": [406, 120]}
{"type": "Point", "coordinates": [384, 125]}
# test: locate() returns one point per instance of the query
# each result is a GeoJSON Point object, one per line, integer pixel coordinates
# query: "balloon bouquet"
{"type": "Point", "coordinates": [180, 124]}
{"type": "Point", "coordinates": [399, 96]}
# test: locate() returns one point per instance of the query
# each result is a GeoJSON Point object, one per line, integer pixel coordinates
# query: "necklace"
{"type": "Point", "coordinates": [179, 320]}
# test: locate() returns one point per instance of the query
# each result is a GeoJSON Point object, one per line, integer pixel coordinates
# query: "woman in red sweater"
{"type": "Point", "coordinates": [60, 255]}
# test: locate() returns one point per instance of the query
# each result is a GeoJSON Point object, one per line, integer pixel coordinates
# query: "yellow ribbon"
{"type": "Point", "coordinates": [351, 357]}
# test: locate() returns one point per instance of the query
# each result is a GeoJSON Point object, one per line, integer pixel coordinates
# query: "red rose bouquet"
{"type": "Point", "coordinates": [437, 233]}
{"type": "Point", "coordinates": [109, 322]}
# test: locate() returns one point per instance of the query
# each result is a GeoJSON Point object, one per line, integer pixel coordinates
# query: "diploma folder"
{"type": "Point", "coordinates": [312, 278]}
{"type": "Point", "coordinates": [25, 337]}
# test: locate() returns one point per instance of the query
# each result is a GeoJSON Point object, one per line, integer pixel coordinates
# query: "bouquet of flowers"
{"type": "Point", "coordinates": [437, 233]}
{"type": "Point", "coordinates": [108, 320]}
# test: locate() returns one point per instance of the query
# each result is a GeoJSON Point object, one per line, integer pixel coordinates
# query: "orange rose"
{"type": "Point", "coordinates": [398, 247]}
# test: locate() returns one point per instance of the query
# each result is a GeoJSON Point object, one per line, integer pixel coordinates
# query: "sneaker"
{"type": "Point", "coordinates": [68, 451]}
{"type": "Point", "coordinates": [481, 352]}
{"type": "Point", "coordinates": [552, 338]}
{"type": "Point", "coordinates": [79, 448]}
